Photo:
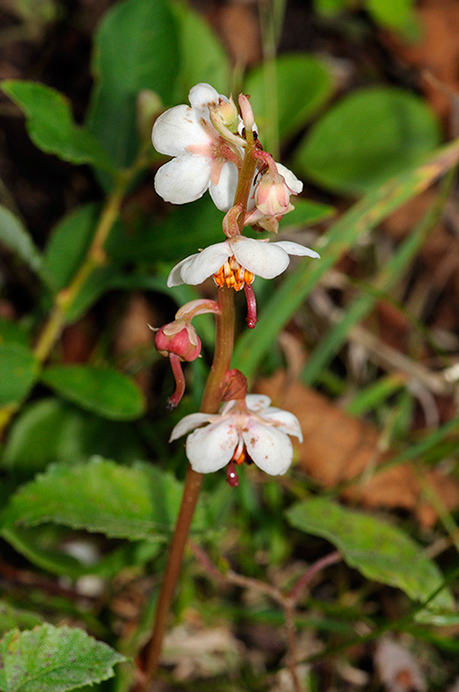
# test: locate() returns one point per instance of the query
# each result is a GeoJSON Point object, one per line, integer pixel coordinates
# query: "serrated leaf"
{"type": "Point", "coordinates": [399, 130]}
{"type": "Point", "coordinates": [54, 659]}
{"type": "Point", "coordinates": [16, 618]}
{"type": "Point", "coordinates": [138, 502]}
{"type": "Point", "coordinates": [104, 391]}
{"type": "Point", "coordinates": [19, 372]}
{"type": "Point", "coordinates": [379, 551]}
{"type": "Point", "coordinates": [51, 126]}
{"type": "Point", "coordinates": [303, 84]}
{"type": "Point", "coordinates": [135, 48]}
{"type": "Point", "coordinates": [16, 237]}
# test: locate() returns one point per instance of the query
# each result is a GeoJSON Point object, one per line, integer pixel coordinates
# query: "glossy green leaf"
{"type": "Point", "coordinates": [379, 550]}
{"type": "Point", "coordinates": [303, 84]}
{"type": "Point", "coordinates": [54, 659]}
{"type": "Point", "coordinates": [104, 391]}
{"type": "Point", "coordinates": [136, 502]}
{"type": "Point", "coordinates": [51, 126]}
{"type": "Point", "coordinates": [11, 618]}
{"type": "Point", "coordinates": [399, 129]}
{"type": "Point", "coordinates": [361, 218]}
{"type": "Point", "coordinates": [68, 244]}
{"type": "Point", "coordinates": [19, 372]}
{"type": "Point", "coordinates": [53, 430]}
{"type": "Point", "coordinates": [135, 49]}
{"type": "Point", "coordinates": [16, 238]}
{"type": "Point", "coordinates": [203, 58]}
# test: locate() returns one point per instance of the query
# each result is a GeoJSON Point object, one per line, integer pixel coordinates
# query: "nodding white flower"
{"type": "Point", "coordinates": [247, 429]}
{"type": "Point", "coordinates": [207, 150]}
{"type": "Point", "coordinates": [237, 261]}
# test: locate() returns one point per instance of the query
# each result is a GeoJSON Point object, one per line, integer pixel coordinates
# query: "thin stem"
{"type": "Point", "coordinates": [315, 568]}
{"type": "Point", "coordinates": [210, 404]}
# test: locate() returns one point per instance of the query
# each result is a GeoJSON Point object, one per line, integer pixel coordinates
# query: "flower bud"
{"type": "Point", "coordinates": [272, 196]}
{"type": "Point", "coordinates": [182, 341]}
{"type": "Point", "coordinates": [226, 113]}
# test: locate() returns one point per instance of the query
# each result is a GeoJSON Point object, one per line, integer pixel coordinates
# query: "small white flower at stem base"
{"type": "Point", "coordinates": [235, 263]}
{"type": "Point", "coordinates": [249, 430]}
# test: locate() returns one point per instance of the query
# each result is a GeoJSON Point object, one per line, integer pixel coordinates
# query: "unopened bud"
{"type": "Point", "coordinates": [149, 106]}
{"type": "Point", "coordinates": [182, 342]}
{"type": "Point", "coordinates": [272, 196]}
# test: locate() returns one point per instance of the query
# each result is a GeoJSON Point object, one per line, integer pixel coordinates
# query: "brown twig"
{"type": "Point", "coordinates": [287, 601]}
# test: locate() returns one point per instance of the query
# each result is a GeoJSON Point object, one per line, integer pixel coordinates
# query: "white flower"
{"type": "Point", "coordinates": [235, 262]}
{"type": "Point", "coordinates": [204, 160]}
{"type": "Point", "coordinates": [245, 430]}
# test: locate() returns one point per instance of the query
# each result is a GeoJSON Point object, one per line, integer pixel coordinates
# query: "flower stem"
{"type": "Point", "coordinates": [211, 401]}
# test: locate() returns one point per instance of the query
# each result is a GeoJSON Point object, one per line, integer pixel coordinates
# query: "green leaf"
{"type": "Point", "coordinates": [303, 84]}
{"type": "Point", "coordinates": [104, 391]}
{"type": "Point", "coordinates": [379, 551]}
{"type": "Point", "coordinates": [52, 430]}
{"type": "Point", "coordinates": [203, 58]}
{"type": "Point", "coordinates": [68, 244]}
{"type": "Point", "coordinates": [138, 502]}
{"type": "Point", "coordinates": [11, 618]}
{"type": "Point", "coordinates": [135, 49]}
{"type": "Point", "coordinates": [12, 332]}
{"type": "Point", "coordinates": [168, 240]}
{"type": "Point", "coordinates": [359, 219]}
{"type": "Point", "coordinates": [19, 372]}
{"type": "Point", "coordinates": [51, 127]}
{"type": "Point", "coordinates": [398, 15]}
{"type": "Point", "coordinates": [16, 238]}
{"type": "Point", "coordinates": [54, 659]}
{"type": "Point", "coordinates": [306, 213]}
{"type": "Point", "coordinates": [399, 130]}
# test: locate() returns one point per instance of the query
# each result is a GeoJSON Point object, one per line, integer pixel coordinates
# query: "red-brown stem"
{"type": "Point", "coordinates": [176, 365]}
{"type": "Point", "coordinates": [315, 568]}
{"type": "Point", "coordinates": [210, 404]}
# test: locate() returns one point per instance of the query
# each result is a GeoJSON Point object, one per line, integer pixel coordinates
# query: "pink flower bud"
{"type": "Point", "coordinates": [182, 342]}
{"type": "Point", "coordinates": [272, 196]}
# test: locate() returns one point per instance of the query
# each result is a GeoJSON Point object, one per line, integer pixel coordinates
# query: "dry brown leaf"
{"type": "Point", "coordinates": [238, 27]}
{"type": "Point", "coordinates": [397, 668]}
{"type": "Point", "coordinates": [338, 448]}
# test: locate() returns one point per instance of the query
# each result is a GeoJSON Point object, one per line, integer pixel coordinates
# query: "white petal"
{"type": "Point", "coordinates": [190, 423]}
{"type": "Point", "coordinates": [261, 258]}
{"type": "Point", "coordinates": [184, 179]}
{"type": "Point", "coordinates": [269, 448]}
{"type": "Point", "coordinates": [201, 96]}
{"type": "Point", "coordinates": [175, 274]}
{"type": "Point", "coordinates": [290, 178]}
{"type": "Point", "coordinates": [223, 193]}
{"type": "Point", "coordinates": [297, 249]}
{"type": "Point", "coordinates": [212, 447]}
{"type": "Point", "coordinates": [199, 267]}
{"type": "Point", "coordinates": [257, 402]}
{"type": "Point", "coordinates": [176, 129]}
{"type": "Point", "coordinates": [284, 421]}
